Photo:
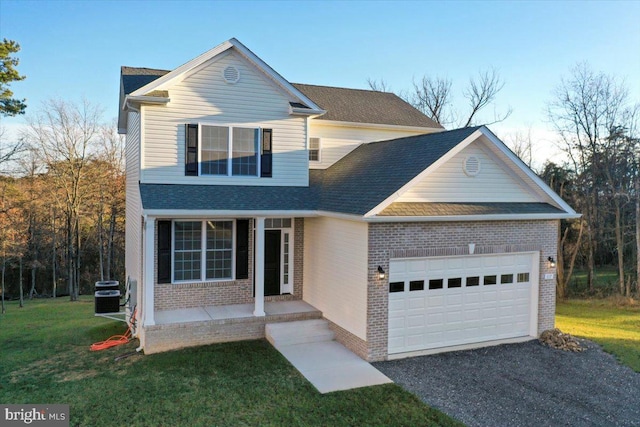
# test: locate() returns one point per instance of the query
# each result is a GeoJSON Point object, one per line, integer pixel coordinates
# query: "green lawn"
{"type": "Point", "coordinates": [615, 328]}
{"type": "Point", "coordinates": [45, 358]}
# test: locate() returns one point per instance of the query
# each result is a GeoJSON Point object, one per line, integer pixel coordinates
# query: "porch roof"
{"type": "Point", "coordinates": [227, 197]}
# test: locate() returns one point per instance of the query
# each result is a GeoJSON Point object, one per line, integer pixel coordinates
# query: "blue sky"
{"type": "Point", "coordinates": [74, 49]}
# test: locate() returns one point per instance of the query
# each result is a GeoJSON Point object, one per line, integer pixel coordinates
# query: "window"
{"type": "Point", "coordinates": [228, 151]}
{"type": "Point", "coordinates": [455, 282]}
{"type": "Point", "coordinates": [314, 149]}
{"type": "Point", "coordinates": [436, 283]}
{"type": "Point", "coordinates": [416, 285]}
{"type": "Point", "coordinates": [523, 277]}
{"type": "Point", "coordinates": [188, 254]}
{"type": "Point", "coordinates": [506, 278]}
{"type": "Point", "coordinates": [198, 243]}
{"type": "Point", "coordinates": [245, 152]}
{"type": "Point", "coordinates": [473, 281]}
{"type": "Point", "coordinates": [214, 150]}
{"type": "Point", "coordinates": [219, 249]}
{"type": "Point", "coordinates": [396, 287]}
{"type": "Point", "coordinates": [490, 280]}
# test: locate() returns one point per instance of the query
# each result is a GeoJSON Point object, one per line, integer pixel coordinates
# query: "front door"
{"type": "Point", "coordinates": [272, 262]}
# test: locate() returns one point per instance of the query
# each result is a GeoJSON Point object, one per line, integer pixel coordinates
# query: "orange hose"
{"type": "Point", "coordinates": [115, 340]}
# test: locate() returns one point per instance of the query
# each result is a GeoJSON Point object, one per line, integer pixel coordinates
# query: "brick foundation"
{"type": "Point", "coordinates": [159, 338]}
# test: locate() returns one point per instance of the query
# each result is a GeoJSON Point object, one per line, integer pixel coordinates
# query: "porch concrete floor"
{"type": "Point", "coordinates": [234, 311]}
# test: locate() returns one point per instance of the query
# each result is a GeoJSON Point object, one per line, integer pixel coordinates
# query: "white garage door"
{"type": "Point", "coordinates": [448, 301]}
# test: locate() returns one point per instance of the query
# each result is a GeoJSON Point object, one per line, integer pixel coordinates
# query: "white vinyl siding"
{"type": "Point", "coordinates": [495, 181]}
{"type": "Point", "coordinates": [133, 241]}
{"type": "Point", "coordinates": [338, 141]}
{"type": "Point", "coordinates": [204, 97]}
{"type": "Point", "coordinates": [335, 271]}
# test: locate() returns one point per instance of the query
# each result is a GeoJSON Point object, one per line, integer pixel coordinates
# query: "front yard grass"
{"type": "Point", "coordinates": [614, 326]}
{"type": "Point", "coordinates": [45, 358]}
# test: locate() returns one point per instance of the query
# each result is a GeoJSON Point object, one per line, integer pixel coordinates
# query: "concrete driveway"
{"type": "Point", "coordinates": [524, 384]}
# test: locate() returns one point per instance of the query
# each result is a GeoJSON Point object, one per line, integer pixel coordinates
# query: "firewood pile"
{"type": "Point", "coordinates": [556, 339]}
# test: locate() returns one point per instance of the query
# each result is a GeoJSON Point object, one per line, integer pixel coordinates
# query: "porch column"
{"type": "Point", "coordinates": [149, 271]}
{"type": "Point", "coordinates": [259, 268]}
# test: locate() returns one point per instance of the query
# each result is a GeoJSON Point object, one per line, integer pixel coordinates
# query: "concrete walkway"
{"type": "Point", "coordinates": [310, 347]}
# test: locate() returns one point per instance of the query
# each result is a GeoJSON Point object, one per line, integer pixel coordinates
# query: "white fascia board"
{"type": "Point", "coordinates": [379, 126]}
{"type": "Point", "coordinates": [154, 85]}
{"type": "Point", "coordinates": [535, 178]}
{"type": "Point", "coordinates": [305, 111]}
{"type": "Point", "coordinates": [350, 217]}
{"type": "Point", "coordinates": [130, 99]}
{"type": "Point", "coordinates": [462, 218]}
{"type": "Point", "coordinates": [422, 175]}
{"type": "Point", "coordinates": [205, 213]}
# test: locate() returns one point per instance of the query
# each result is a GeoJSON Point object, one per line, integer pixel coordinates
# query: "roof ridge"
{"type": "Point", "coordinates": [422, 135]}
{"type": "Point", "coordinates": [345, 88]}
{"type": "Point", "coordinates": [129, 68]}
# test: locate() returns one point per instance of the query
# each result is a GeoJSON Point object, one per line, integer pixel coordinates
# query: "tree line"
{"type": "Point", "coordinates": [597, 127]}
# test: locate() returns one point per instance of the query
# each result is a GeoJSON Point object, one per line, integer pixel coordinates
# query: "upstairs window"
{"type": "Point", "coordinates": [227, 151]}
{"type": "Point", "coordinates": [314, 149]}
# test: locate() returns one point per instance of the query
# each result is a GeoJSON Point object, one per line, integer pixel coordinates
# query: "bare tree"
{"type": "Point", "coordinates": [378, 85]}
{"type": "Point", "coordinates": [432, 96]}
{"type": "Point", "coordinates": [522, 145]}
{"type": "Point", "coordinates": [63, 133]}
{"type": "Point", "coordinates": [8, 151]}
{"type": "Point", "coordinates": [586, 109]}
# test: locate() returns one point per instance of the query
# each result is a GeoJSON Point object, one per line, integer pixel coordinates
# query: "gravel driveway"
{"type": "Point", "coordinates": [524, 384]}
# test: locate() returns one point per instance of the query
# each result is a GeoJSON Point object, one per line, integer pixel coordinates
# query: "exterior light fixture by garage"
{"type": "Point", "coordinates": [381, 273]}
{"type": "Point", "coordinates": [552, 262]}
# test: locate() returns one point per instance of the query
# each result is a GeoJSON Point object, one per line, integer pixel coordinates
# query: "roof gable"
{"type": "Point", "coordinates": [453, 182]}
{"type": "Point", "coordinates": [365, 106]}
{"type": "Point", "coordinates": [373, 172]}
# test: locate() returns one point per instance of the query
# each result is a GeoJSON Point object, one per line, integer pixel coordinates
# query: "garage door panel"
{"type": "Point", "coordinates": [431, 318]}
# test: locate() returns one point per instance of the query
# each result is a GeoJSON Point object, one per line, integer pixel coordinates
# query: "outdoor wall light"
{"type": "Point", "coordinates": [381, 273]}
{"type": "Point", "coordinates": [552, 262]}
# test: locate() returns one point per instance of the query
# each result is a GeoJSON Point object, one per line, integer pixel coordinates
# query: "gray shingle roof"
{"type": "Point", "coordinates": [445, 209]}
{"type": "Point", "coordinates": [227, 197]}
{"type": "Point", "coordinates": [372, 172]}
{"type": "Point", "coordinates": [133, 78]}
{"type": "Point", "coordinates": [364, 106]}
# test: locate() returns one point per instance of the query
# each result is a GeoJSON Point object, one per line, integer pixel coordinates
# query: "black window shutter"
{"type": "Point", "coordinates": [164, 251]}
{"type": "Point", "coordinates": [191, 150]}
{"type": "Point", "coordinates": [267, 154]}
{"type": "Point", "coordinates": [242, 249]}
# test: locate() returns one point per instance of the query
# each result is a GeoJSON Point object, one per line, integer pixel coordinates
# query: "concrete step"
{"type": "Point", "coordinates": [298, 332]}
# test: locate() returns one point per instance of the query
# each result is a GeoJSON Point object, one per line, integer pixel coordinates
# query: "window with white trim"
{"type": "Point", "coordinates": [229, 150]}
{"type": "Point", "coordinates": [203, 243]}
{"type": "Point", "coordinates": [314, 149]}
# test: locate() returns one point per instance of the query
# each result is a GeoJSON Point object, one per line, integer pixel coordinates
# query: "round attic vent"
{"type": "Point", "coordinates": [471, 166]}
{"type": "Point", "coordinates": [231, 74]}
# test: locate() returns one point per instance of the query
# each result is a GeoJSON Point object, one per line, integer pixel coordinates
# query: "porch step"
{"type": "Point", "coordinates": [298, 332]}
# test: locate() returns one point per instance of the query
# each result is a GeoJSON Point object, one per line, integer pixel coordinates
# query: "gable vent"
{"type": "Point", "coordinates": [471, 166]}
{"type": "Point", "coordinates": [231, 74]}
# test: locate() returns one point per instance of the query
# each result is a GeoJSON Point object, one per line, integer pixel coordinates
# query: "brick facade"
{"type": "Point", "coordinates": [396, 240]}
{"type": "Point", "coordinates": [201, 294]}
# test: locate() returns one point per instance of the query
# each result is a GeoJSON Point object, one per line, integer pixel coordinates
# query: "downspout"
{"type": "Point", "coordinates": [140, 348]}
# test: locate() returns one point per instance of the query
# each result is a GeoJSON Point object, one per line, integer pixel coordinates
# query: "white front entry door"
{"type": "Point", "coordinates": [439, 302]}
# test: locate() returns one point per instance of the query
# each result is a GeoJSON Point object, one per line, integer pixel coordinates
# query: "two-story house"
{"type": "Point", "coordinates": [252, 200]}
